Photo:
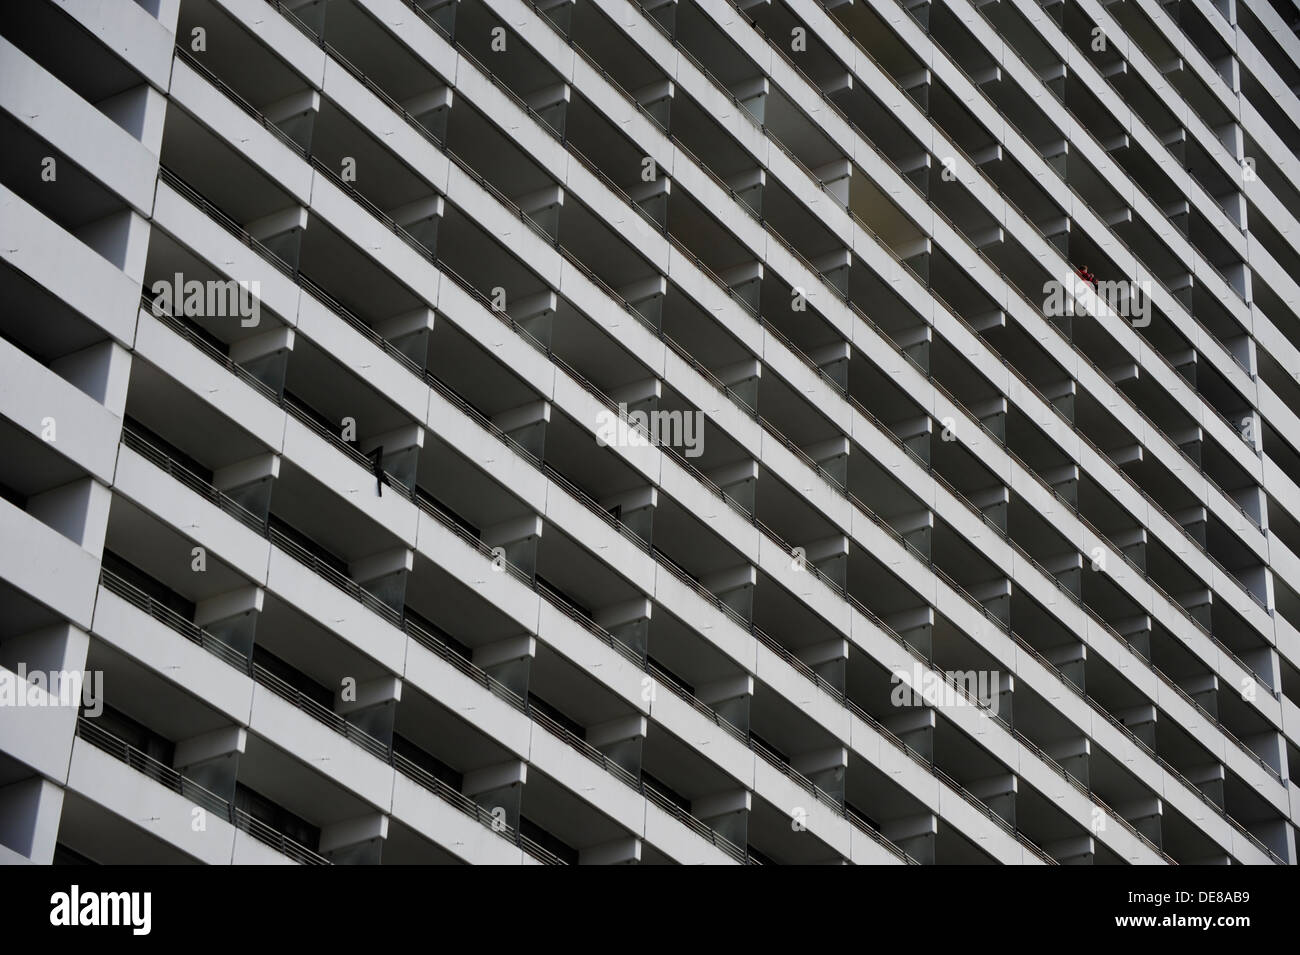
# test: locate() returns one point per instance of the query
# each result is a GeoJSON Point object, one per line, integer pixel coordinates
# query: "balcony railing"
{"type": "Point", "coordinates": [718, 281]}
{"type": "Point", "coordinates": [164, 775]}
{"type": "Point", "coordinates": [966, 239]}
{"type": "Point", "coordinates": [979, 170]}
{"type": "Point", "coordinates": [473, 541]}
{"type": "Point", "coordinates": [160, 459]}
{"type": "Point", "coordinates": [939, 386]}
{"type": "Point", "coordinates": [570, 739]}
{"type": "Point", "coordinates": [277, 537]}
{"type": "Point", "coordinates": [510, 205]}
{"type": "Point", "coordinates": [460, 801]}
{"type": "Point", "coordinates": [214, 645]}
{"type": "Point", "coordinates": [681, 574]}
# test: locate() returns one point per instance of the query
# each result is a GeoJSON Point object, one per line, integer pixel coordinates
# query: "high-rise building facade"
{"type": "Point", "coordinates": [688, 431]}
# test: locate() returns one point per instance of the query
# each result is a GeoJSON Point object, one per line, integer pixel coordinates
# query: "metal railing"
{"type": "Point", "coordinates": [219, 648]}
{"type": "Point", "coordinates": [979, 90]}
{"type": "Point", "coordinates": [569, 738]}
{"type": "Point", "coordinates": [119, 586]}
{"type": "Point", "coordinates": [166, 175]}
{"type": "Point", "coordinates": [318, 712]}
{"type": "Point", "coordinates": [329, 718]}
{"type": "Point", "coordinates": [340, 580]}
{"type": "Point", "coordinates": [979, 252]}
{"type": "Point", "coordinates": [379, 214]}
{"type": "Point", "coordinates": [778, 433]}
{"type": "Point", "coordinates": [159, 458]}
{"type": "Point", "coordinates": [1220, 811]}
{"type": "Point", "coordinates": [277, 537]}
{"type": "Point", "coordinates": [959, 232]}
{"type": "Point", "coordinates": [208, 349]}
{"type": "Point", "coordinates": [510, 205]}
{"type": "Point", "coordinates": [718, 281]}
{"type": "Point", "coordinates": [1147, 499]}
{"type": "Point", "coordinates": [163, 774]}
{"type": "Point", "coordinates": [427, 504]}
{"type": "Point", "coordinates": [193, 62]}
{"type": "Point", "coordinates": [695, 825]}
{"type": "Point", "coordinates": [458, 800]}
{"type": "Point", "coordinates": [439, 647]}
{"type": "Point", "coordinates": [938, 385]}
{"type": "Point", "coordinates": [681, 574]}
{"type": "Point", "coordinates": [165, 615]}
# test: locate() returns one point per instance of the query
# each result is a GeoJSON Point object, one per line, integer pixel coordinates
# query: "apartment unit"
{"type": "Point", "coordinates": [687, 431]}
